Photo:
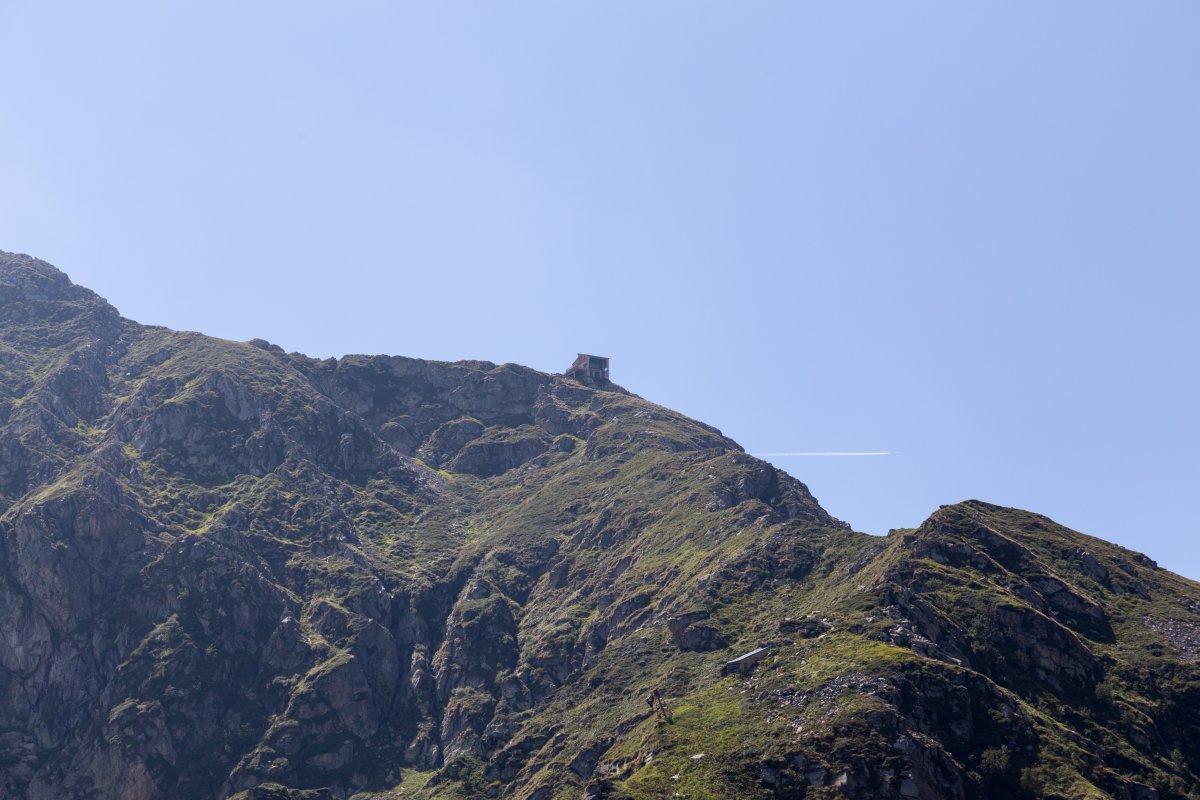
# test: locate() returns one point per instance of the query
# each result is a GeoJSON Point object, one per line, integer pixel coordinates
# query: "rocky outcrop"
{"type": "Point", "coordinates": [689, 633]}
{"type": "Point", "coordinates": [493, 454]}
{"type": "Point", "coordinates": [231, 571]}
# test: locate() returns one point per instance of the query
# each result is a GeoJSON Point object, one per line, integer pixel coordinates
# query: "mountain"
{"type": "Point", "coordinates": [231, 571]}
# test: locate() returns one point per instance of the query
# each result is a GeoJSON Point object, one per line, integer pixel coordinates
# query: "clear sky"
{"type": "Point", "coordinates": [964, 233]}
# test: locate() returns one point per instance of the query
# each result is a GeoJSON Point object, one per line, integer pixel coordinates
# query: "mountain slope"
{"type": "Point", "coordinates": [226, 570]}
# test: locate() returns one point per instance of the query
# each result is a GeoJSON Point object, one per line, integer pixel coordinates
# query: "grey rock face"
{"type": "Point", "coordinates": [231, 571]}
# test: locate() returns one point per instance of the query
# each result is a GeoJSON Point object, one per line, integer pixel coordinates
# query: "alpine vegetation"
{"type": "Point", "coordinates": [229, 571]}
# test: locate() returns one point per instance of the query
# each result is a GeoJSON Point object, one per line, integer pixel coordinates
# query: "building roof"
{"type": "Point", "coordinates": [752, 653]}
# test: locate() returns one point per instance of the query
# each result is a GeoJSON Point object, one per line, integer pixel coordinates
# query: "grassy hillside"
{"type": "Point", "coordinates": [230, 571]}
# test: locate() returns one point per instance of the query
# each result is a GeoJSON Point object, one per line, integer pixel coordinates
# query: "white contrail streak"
{"type": "Point", "coordinates": [822, 454]}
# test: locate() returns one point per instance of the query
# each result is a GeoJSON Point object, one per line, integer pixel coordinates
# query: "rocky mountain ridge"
{"type": "Point", "coordinates": [231, 571]}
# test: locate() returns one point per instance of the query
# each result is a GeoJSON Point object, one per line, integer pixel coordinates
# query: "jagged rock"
{"type": "Point", "coordinates": [448, 439]}
{"type": "Point", "coordinates": [231, 571]}
{"type": "Point", "coordinates": [689, 635]}
{"type": "Point", "coordinates": [492, 455]}
{"type": "Point", "coordinates": [1183, 635]}
{"type": "Point", "coordinates": [808, 628]}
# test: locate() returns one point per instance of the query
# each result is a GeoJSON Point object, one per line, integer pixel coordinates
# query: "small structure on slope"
{"type": "Point", "coordinates": [658, 705]}
{"type": "Point", "coordinates": [588, 367]}
{"type": "Point", "coordinates": [744, 663]}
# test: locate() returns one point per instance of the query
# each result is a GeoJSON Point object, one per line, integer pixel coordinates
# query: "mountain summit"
{"type": "Point", "coordinates": [231, 571]}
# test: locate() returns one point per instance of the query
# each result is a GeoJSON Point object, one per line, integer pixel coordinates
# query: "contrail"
{"type": "Point", "coordinates": [823, 454]}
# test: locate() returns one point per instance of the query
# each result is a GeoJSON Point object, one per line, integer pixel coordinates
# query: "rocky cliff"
{"type": "Point", "coordinates": [231, 571]}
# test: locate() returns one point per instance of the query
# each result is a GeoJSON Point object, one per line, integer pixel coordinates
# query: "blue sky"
{"type": "Point", "coordinates": [965, 233]}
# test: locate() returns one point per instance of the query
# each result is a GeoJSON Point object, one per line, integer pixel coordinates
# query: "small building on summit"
{"type": "Point", "coordinates": [588, 367]}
